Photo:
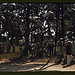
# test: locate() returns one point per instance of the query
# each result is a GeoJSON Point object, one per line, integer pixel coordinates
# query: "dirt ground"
{"type": "Point", "coordinates": [6, 66]}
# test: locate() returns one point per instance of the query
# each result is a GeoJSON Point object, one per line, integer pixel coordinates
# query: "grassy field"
{"type": "Point", "coordinates": [11, 54]}
{"type": "Point", "coordinates": [16, 48]}
{"type": "Point", "coordinates": [14, 55]}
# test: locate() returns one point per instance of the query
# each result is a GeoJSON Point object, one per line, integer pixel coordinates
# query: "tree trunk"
{"type": "Point", "coordinates": [62, 22]}
{"type": "Point", "coordinates": [0, 37]}
{"type": "Point", "coordinates": [27, 32]}
{"type": "Point", "coordinates": [57, 21]}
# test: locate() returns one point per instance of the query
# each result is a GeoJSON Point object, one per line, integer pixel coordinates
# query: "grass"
{"type": "Point", "coordinates": [14, 55]}
{"type": "Point", "coordinates": [16, 48]}
{"type": "Point", "coordinates": [11, 55]}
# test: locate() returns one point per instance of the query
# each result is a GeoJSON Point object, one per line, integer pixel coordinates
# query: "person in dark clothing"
{"type": "Point", "coordinates": [30, 49]}
{"type": "Point", "coordinates": [64, 52]}
{"type": "Point", "coordinates": [60, 51]}
{"type": "Point", "coordinates": [68, 48]}
{"type": "Point", "coordinates": [50, 47]}
{"type": "Point", "coordinates": [61, 48]}
{"type": "Point", "coordinates": [20, 46]}
{"type": "Point", "coordinates": [68, 52]}
{"type": "Point", "coordinates": [13, 48]}
{"type": "Point", "coordinates": [8, 47]}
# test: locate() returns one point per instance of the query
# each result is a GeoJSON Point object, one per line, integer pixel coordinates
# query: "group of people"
{"type": "Point", "coordinates": [64, 51]}
{"type": "Point", "coordinates": [6, 48]}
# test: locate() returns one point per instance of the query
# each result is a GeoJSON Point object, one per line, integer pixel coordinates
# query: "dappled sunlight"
{"type": "Point", "coordinates": [19, 67]}
{"type": "Point", "coordinates": [37, 37]}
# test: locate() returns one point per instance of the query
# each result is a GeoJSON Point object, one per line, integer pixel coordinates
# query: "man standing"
{"type": "Point", "coordinates": [8, 47]}
{"type": "Point", "coordinates": [64, 52]}
{"type": "Point", "coordinates": [61, 47]}
{"type": "Point", "coordinates": [68, 52]}
{"type": "Point", "coordinates": [50, 47]}
{"type": "Point", "coordinates": [13, 48]}
{"type": "Point", "coordinates": [20, 46]}
{"type": "Point", "coordinates": [60, 52]}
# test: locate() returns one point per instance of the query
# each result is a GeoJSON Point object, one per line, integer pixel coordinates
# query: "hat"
{"type": "Point", "coordinates": [69, 41]}
{"type": "Point", "coordinates": [61, 38]}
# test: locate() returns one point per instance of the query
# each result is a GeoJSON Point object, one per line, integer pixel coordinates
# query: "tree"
{"type": "Point", "coordinates": [35, 22]}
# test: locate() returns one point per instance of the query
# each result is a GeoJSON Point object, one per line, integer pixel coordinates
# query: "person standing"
{"type": "Point", "coordinates": [9, 47]}
{"type": "Point", "coordinates": [61, 47]}
{"type": "Point", "coordinates": [20, 46]}
{"type": "Point", "coordinates": [13, 48]}
{"type": "Point", "coordinates": [5, 47]}
{"type": "Point", "coordinates": [60, 51]}
{"type": "Point", "coordinates": [64, 52]}
{"type": "Point", "coordinates": [68, 53]}
{"type": "Point", "coordinates": [50, 47]}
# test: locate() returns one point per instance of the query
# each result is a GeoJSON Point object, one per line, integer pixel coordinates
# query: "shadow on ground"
{"type": "Point", "coordinates": [43, 68]}
{"type": "Point", "coordinates": [72, 63]}
{"type": "Point", "coordinates": [16, 68]}
{"type": "Point", "coordinates": [13, 66]}
{"type": "Point", "coordinates": [17, 65]}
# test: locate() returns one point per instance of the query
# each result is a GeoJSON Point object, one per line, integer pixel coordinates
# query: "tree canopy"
{"type": "Point", "coordinates": [36, 21]}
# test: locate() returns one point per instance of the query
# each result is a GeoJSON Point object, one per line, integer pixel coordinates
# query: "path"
{"type": "Point", "coordinates": [32, 66]}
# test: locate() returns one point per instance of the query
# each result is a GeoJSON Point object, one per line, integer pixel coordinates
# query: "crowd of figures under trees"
{"type": "Point", "coordinates": [36, 22]}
